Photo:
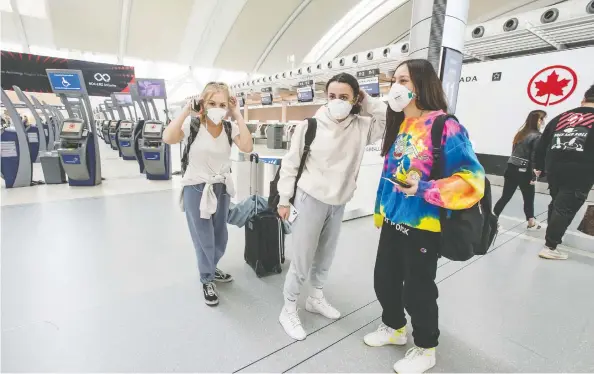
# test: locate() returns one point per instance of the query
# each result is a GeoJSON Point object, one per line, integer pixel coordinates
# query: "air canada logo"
{"type": "Point", "coordinates": [468, 79]}
{"type": "Point", "coordinates": [552, 85]}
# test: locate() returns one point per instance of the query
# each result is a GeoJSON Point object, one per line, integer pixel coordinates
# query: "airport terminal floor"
{"type": "Point", "coordinates": [108, 283]}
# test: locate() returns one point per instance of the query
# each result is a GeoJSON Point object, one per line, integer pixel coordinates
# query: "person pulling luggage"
{"type": "Point", "coordinates": [345, 126]}
{"type": "Point", "coordinates": [207, 183]}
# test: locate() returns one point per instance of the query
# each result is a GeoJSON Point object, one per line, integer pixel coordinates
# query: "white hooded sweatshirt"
{"type": "Point", "coordinates": [331, 169]}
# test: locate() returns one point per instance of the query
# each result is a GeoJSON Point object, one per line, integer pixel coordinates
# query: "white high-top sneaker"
{"type": "Point", "coordinates": [385, 335]}
{"type": "Point", "coordinates": [321, 306]}
{"type": "Point", "coordinates": [289, 320]}
{"type": "Point", "coordinates": [416, 360]}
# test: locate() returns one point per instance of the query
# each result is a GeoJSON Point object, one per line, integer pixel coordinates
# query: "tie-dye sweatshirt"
{"type": "Point", "coordinates": [411, 155]}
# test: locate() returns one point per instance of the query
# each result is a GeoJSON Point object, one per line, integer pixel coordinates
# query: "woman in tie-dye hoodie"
{"type": "Point", "coordinates": [407, 210]}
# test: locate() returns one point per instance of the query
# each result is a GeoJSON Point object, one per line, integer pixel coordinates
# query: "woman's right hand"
{"type": "Point", "coordinates": [284, 212]}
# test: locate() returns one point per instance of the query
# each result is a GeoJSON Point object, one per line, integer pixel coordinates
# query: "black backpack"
{"type": "Point", "coordinates": [194, 128]}
{"type": "Point", "coordinates": [310, 135]}
{"type": "Point", "coordinates": [466, 232]}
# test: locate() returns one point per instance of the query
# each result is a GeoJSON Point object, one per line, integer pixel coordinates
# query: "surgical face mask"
{"type": "Point", "coordinates": [399, 97]}
{"type": "Point", "coordinates": [216, 115]}
{"type": "Point", "coordinates": [339, 109]}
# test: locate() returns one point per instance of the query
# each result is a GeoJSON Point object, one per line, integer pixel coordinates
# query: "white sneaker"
{"type": "Point", "coordinates": [385, 335]}
{"type": "Point", "coordinates": [416, 360]}
{"type": "Point", "coordinates": [552, 254]}
{"type": "Point", "coordinates": [290, 321]}
{"type": "Point", "coordinates": [321, 306]}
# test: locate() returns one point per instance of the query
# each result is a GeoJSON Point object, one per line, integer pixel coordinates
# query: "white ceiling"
{"type": "Point", "coordinates": [233, 35]}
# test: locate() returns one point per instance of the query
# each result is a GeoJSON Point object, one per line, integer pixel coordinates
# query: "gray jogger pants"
{"type": "Point", "coordinates": [209, 235]}
{"type": "Point", "coordinates": [314, 239]}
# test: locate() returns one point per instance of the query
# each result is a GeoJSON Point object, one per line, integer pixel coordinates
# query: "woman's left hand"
{"type": "Point", "coordinates": [233, 107]}
{"type": "Point", "coordinates": [414, 186]}
{"type": "Point", "coordinates": [362, 96]}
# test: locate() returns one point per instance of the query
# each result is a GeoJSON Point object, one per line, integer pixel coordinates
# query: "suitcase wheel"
{"type": "Point", "coordinates": [278, 269]}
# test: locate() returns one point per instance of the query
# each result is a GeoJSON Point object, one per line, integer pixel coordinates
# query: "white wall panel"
{"type": "Point", "coordinates": [493, 111]}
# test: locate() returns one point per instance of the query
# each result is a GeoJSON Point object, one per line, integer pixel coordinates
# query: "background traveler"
{"type": "Point", "coordinates": [520, 167]}
{"type": "Point", "coordinates": [566, 152]}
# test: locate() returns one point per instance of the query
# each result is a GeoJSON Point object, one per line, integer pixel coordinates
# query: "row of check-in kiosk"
{"type": "Point", "coordinates": [73, 155]}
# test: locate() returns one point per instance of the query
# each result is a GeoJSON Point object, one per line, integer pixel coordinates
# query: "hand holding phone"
{"type": "Point", "coordinates": [402, 183]}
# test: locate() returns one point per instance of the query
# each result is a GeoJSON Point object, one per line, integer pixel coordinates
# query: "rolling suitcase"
{"type": "Point", "coordinates": [264, 236]}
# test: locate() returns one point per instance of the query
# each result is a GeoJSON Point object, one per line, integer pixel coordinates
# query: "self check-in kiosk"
{"type": "Point", "coordinates": [112, 132]}
{"type": "Point", "coordinates": [79, 148]}
{"type": "Point", "coordinates": [126, 139]}
{"type": "Point", "coordinates": [156, 155]}
{"type": "Point", "coordinates": [105, 130]}
{"type": "Point", "coordinates": [17, 168]}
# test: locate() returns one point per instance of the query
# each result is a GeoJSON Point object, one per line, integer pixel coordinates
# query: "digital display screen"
{"type": "Point", "coordinates": [151, 88]}
{"type": "Point", "coordinates": [113, 124]}
{"type": "Point", "coordinates": [72, 127]}
{"type": "Point", "coordinates": [266, 99]}
{"type": "Point", "coordinates": [65, 82]}
{"type": "Point", "coordinates": [154, 128]}
{"type": "Point", "coordinates": [105, 123]}
{"type": "Point", "coordinates": [305, 94]}
{"type": "Point", "coordinates": [125, 125]}
{"type": "Point", "coordinates": [122, 98]}
{"type": "Point", "coordinates": [370, 85]}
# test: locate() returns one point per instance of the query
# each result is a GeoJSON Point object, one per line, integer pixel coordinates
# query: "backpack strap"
{"type": "Point", "coordinates": [310, 135]}
{"type": "Point", "coordinates": [436, 136]}
{"type": "Point", "coordinates": [227, 127]}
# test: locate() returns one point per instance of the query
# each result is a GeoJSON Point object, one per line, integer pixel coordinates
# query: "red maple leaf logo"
{"type": "Point", "coordinates": [552, 86]}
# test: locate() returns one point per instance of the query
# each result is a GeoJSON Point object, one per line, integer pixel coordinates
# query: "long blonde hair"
{"type": "Point", "coordinates": [209, 90]}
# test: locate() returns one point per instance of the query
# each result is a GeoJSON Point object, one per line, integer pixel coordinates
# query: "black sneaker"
{"type": "Point", "coordinates": [211, 297]}
{"type": "Point", "coordinates": [222, 277]}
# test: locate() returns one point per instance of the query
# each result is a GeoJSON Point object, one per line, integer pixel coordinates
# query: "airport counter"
{"type": "Point", "coordinates": [361, 204]}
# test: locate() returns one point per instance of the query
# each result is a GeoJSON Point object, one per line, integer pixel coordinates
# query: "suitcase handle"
{"type": "Point", "coordinates": [254, 159]}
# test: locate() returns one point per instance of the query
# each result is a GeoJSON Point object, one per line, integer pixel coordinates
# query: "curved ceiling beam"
{"type": "Point", "coordinates": [280, 33]}
{"type": "Point", "coordinates": [124, 27]}
{"type": "Point", "coordinates": [20, 25]}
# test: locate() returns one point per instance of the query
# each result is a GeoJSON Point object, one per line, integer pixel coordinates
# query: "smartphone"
{"type": "Point", "coordinates": [399, 182]}
{"type": "Point", "coordinates": [196, 105]}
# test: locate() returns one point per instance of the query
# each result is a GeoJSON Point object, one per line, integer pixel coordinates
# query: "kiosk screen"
{"type": "Point", "coordinates": [113, 124]}
{"type": "Point", "coordinates": [125, 125]}
{"type": "Point", "coordinates": [154, 128]}
{"type": "Point", "coordinates": [72, 127]}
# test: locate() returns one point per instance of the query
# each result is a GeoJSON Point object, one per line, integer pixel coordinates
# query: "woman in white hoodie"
{"type": "Point", "coordinates": [345, 126]}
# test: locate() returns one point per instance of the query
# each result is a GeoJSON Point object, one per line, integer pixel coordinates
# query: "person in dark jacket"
{"type": "Point", "coordinates": [566, 153]}
{"type": "Point", "coordinates": [520, 167]}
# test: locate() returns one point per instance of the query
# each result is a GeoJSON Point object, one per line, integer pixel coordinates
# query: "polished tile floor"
{"type": "Point", "coordinates": [108, 283]}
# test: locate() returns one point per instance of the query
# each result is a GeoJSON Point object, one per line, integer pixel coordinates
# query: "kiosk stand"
{"type": "Point", "coordinates": [138, 125]}
{"type": "Point", "coordinates": [36, 134]}
{"type": "Point", "coordinates": [79, 147]}
{"type": "Point", "coordinates": [17, 169]}
{"type": "Point", "coordinates": [156, 155]}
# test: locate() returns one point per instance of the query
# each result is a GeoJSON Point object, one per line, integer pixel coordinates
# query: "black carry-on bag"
{"type": "Point", "coordinates": [264, 235]}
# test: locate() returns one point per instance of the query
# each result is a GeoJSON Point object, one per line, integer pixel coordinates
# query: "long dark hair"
{"type": "Point", "coordinates": [531, 125]}
{"type": "Point", "coordinates": [429, 96]}
{"type": "Point", "coordinates": [351, 81]}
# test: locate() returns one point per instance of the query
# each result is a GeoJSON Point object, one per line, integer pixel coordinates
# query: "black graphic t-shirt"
{"type": "Point", "coordinates": [566, 148]}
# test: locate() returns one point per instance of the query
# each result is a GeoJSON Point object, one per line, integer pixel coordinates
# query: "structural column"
{"type": "Point", "coordinates": [437, 34]}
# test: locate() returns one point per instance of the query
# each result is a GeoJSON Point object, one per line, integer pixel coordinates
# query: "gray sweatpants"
{"type": "Point", "coordinates": [209, 235]}
{"type": "Point", "coordinates": [314, 239]}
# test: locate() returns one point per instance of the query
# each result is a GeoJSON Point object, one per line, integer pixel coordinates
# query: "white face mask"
{"type": "Point", "coordinates": [339, 109]}
{"type": "Point", "coordinates": [216, 115]}
{"type": "Point", "coordinates": [399, 97]}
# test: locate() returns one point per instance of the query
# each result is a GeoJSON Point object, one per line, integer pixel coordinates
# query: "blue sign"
{"type": "Point", "coordinates": [71, 159]}
{"type": "Point", "coordinates": [65, 82]}
{"type": "Point", "coordinates": [271, 160]}
{"type": "Point", "coordinates": [152, 156]}
{"type": "Point", "coordinates": [124, 143]}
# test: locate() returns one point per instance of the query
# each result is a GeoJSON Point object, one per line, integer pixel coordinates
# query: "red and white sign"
{"type": "Point", "coordinates": [552, 85]}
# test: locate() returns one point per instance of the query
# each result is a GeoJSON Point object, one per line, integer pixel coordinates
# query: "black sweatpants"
{"type": "Point", "coordinates": [404, 277]}
{"type": "Point", "coordinates": [513, 179]}
{"type": "Point", "coordinates": [566, 201]}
